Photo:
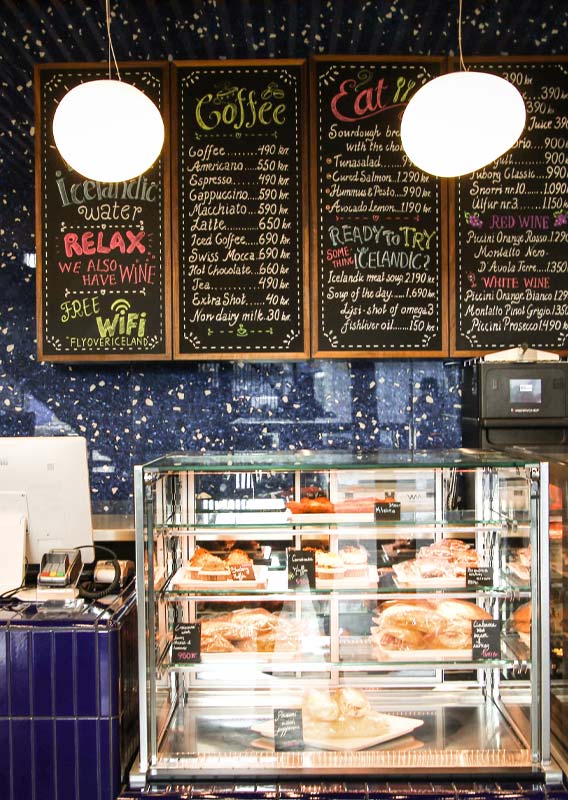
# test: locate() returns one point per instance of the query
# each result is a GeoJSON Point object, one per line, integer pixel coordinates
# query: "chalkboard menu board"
{"type": "Point", "coordinates": [379, 251]}
{"type": "Point", "coordinates": [510, 285]}
{"type": "Point", "coordinates": [240, 263]}
{"type": "Point", "coordinates": [103, 276]}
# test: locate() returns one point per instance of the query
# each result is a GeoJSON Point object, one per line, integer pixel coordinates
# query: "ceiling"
{"type": "Point", "coordinates": [39, 31]}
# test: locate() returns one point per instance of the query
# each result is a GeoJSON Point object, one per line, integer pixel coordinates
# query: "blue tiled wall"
{"type": "Point", "coordinates": [131, 413]}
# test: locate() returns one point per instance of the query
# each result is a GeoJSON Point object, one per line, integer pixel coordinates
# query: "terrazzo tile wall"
{"type": "Point", "coordinates": [131, 413]}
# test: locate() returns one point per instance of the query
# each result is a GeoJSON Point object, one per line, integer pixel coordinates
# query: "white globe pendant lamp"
{"type": "Point", "coordinates": [462, 121]}
{"type": "Point", "coordinates": [108, 130]}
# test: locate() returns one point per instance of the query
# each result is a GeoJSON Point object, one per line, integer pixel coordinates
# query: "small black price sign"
{"type": "Point", "coordinates": [242, 572]}
{"type": "Point", "coordinates": [486, 639]}
{"type": "Point", "coordinates": [186, 646]}
{"type": "Point", "coordinates": [288, 729]}
{"type": "Point", "coordinates": [478, 576]}
{"type": "Point", "coordinates": [301, 569]}
{"type": "Point", "coordinates": [389, 510]}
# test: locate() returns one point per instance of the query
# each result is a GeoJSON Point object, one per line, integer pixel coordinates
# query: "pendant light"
{"type": "Point", "coordinates": [462, 121]}
{"type": "Point", "coordinates": [108, 130]}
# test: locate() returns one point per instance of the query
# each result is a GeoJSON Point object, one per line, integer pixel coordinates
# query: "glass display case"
{"type": "Point", "coordinates": [332, 614]}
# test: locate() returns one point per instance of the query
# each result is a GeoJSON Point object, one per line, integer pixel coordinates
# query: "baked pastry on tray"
{"type": "Point", "coordinates": [425, 625]}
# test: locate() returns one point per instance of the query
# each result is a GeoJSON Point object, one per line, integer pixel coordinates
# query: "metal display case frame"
{"type": "Point", "coordinates": [478, 716]}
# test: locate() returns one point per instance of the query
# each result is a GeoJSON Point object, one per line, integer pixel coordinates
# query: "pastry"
{"type": "Point", "coordinates": [237, 558]}
{"type": "Point", "coordinates": [425, 625]}
{"type": "Point", "coordinates": [214, 569]}
{"type": "Point", "coordinates": [461, 609]}
{"type": "Point", "coordinates": [340, 714]}
{"type": "Point", "coordinates": [522, 618]}
{"type": "Point", "coordinates": [397, 637]}
{"type": "Point", "coordinates": [195, 562]}
{"type": "Point", "coordinates": [352, 702]}
{"type": "Point", "coordinates": [316, 505]}
{"type": "Point", "coordinates": [222, 627]}
{"type": "Point", "coordinates": [355, 560]}
{"type": "Point", "coordinates": [454, 636]}
{"type": "Point", "coordinates": [329, 566]}
{"type": "Point", "coordinates": [446, 559]}
{"type": "Point", "coordinates": [318, 704]}
{"type": "Point", "coordinates": [356, 505]}
{"type": "Point", "coordinates": [250, 630]}
{"type": "Point", "coordinates": [416, 616]}
{"type": "Point", "coordinates": [215, 643]}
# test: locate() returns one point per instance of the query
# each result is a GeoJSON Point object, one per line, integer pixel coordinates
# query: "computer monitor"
{"type": "Point", "coordinates": [52, 472]}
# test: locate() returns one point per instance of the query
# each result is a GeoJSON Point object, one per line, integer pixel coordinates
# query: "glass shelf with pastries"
{"type": "Point", "coordinates": [345, 730]}
{"type": "Point", "coordinates": [348, 561]}
{"type": "Point", "coordinates": [311, 631]}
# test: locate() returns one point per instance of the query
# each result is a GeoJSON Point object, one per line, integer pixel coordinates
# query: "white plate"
{"type": "Point", "coordinates": [182, 581]}
{"type": "Point", "coordinates": [398, 726]}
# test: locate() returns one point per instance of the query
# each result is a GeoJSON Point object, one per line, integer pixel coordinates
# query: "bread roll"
{"type": "Point", "coordinates": [215, 643]}
{"type": "Point", "coordinates": [395, 638]}
{"type": "Point", "coordinates": [413, 616]}
{"type": "Point", "coordinates": [461, 609]}
{"type": "Point", "coordinates": [455, 636]}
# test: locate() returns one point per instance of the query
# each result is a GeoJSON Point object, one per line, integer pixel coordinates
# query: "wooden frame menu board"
{"type": "Point", "coordinates": [379, 255]}
{"type": "Point", "coordinates": [509, 235]}
{"type": "Point", "coordinates": [103, 271]}
{"type": "Point", "coordinates": [240, 200]}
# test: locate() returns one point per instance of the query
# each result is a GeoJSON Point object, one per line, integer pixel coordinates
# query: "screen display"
{"type": "Point", "coordinates": [525, 391]}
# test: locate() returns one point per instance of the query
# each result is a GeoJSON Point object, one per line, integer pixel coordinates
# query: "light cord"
{"type": "Point", "coordinates": [462, 65]}
{"type": "Point", "coordinates": [110, 45]}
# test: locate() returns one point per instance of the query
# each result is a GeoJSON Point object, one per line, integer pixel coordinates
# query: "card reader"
{"type": "Point", "coordinates": [60, 568]}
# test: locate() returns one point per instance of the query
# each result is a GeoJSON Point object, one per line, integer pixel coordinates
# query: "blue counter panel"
{"type": "Point", "coordinates": [44, 758]}
{"type": "Point", "coordinates": [86, 673]}
{"type": "Point", "coordinates": [42, 674]}
{"type": "Point", "coordinates": [64, 674]}
{"type": "Point", "coordinates": [19, 671]}
{"type": "Point", "coordinates": [68, 700]}
{"type": "Point", "coordinates": [22, 753]}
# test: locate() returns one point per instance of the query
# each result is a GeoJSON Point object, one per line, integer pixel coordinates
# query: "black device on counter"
{"type": "Point", "coordinates": [514, 403]}
{"type": "Point", "coordinates": [60, 568]}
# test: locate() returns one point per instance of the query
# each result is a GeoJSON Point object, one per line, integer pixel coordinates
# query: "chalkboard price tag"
{"type": "Point", "coordinates": [301, 569]}
{"type": "Point", "coordinates": [242, 572]}
{"type": "Point", "coordinates": [288, 729]}
{"type": "Point", "coordinates": [478, 576]}
{"type": "Point", "coordinates": [389, 510]}
{"type": "Point", "coordinates": [186, 646]}
{"type": "Point", "coordinates": [486, 639]}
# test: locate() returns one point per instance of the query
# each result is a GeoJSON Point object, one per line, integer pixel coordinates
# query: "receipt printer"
{"type": "Point", "coordinates": [508, 403]}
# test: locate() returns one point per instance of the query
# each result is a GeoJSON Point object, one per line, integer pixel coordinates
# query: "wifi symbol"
{"type": "Point", "coordinates": [120, 305]}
